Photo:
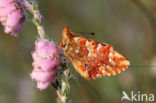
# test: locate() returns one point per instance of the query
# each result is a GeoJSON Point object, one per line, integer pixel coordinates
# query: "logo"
{"type": "Point", "coordinates": [140, 97]}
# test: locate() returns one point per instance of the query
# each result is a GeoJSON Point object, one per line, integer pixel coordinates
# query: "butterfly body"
{"type": "Point", "coordinates": [90, 58]}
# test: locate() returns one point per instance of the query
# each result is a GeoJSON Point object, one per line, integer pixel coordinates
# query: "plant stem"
{"type": "Point", "coordinates": [63, 91]}
{"type": "Point", "coordinates": [37, 18]}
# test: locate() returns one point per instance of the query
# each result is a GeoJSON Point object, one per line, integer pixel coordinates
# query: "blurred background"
{"type": "Point", "coordinates": [128, 25]}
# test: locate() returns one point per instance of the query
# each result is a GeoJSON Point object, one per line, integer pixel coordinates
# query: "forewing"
{"type": "Point", "coordinates": [93, 59]}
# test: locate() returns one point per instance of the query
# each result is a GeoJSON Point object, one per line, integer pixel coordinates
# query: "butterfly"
{"type": "Point", "coordinates": [91, 58]}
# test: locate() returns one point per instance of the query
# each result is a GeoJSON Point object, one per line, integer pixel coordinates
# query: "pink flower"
{"type": "Point", "coordinates": [42, 76]}
{"type": "Point", "coordinates": [47, 64]}
{"type": "Point", "coordinates": [12, 16]}
{"type": "Point", "coordinates": [45, 49]}
{"type": "Point", "coordinates": [47, 57]}
{"type": "Point", "coordinates": [5, 2]}
{"type": "Point", "coordinates": [42, 85]}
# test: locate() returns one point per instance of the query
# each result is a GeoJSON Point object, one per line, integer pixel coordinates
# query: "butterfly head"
{"type": "Point", "coordinates": [65, 36]}
{"type": "Point", "coordinates": [66, 32]}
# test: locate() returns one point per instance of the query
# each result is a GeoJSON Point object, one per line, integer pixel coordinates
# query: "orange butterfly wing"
{"type": "Point", "coordinates": [90, 58]}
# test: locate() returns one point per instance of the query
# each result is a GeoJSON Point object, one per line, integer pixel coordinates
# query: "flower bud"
{"type": "Point", "coordinates": [12, 16]}
{"type": "Point", "coordinates": [47, 57]}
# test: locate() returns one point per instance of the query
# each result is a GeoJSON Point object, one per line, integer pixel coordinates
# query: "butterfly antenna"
{"type": "Point", "coordinates": [91, 33]}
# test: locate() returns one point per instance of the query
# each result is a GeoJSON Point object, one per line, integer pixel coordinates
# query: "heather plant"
{"type": "Point", "coordinates": [50, 66]}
